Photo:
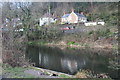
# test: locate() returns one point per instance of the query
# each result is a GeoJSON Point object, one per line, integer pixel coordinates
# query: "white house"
{"type": "Point", "coordinates": [47, 19]}
{"type": "Point", "coordinates": [73, 18]}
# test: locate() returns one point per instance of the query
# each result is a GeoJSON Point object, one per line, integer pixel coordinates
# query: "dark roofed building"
{"type": "Point", "coordinates": [73, 18]}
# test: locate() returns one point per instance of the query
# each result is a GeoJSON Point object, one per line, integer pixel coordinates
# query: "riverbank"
{"type": "Point", "coordinates": [30, 72]}
{"type": "Point", "coordinates": [77, 45]}
{"type": "Point", "coordinates": [35, 72]}
{"type": "Point", "coordinates": [102, 37]}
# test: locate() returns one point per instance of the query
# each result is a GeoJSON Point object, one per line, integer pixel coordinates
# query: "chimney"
{"type": "Point", "coordinates": [72, 10]}
{"type": "Point", "coordinates": [82, 13]}
{"type": "Point", "coordinates": [64, 12]}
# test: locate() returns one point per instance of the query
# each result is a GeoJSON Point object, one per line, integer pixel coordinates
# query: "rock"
{"type": "Point", "coordinates": [102, 76]}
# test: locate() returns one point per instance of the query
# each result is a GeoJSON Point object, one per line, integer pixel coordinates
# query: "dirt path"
{"type": "Point", "coordinates": [32, 72]}
{"type": "Point", "coordinates": [39, 74]}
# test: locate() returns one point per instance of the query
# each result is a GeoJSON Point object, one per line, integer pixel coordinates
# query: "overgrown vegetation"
{"type": "Point", "coordinates": [25, 15]}
{"type": "Point", "coordinates": [98, 34]}
{"type": "Point", "coordinates": [89, 74]}
{"type": "Point", "coordinates": [16, 72]}
{"type": "Point", "coordinates": [45, 34]}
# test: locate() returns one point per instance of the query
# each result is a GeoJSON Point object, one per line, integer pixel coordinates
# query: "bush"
{"type": "Point", "coordinates": [71, 43]}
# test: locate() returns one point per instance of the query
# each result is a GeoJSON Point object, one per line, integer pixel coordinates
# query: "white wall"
{"type": "Point", "coordinates": [101, 23]}
{"type": "Point", "coordinates": [90, 23]}
{"type": "Point", "coordinates": [46, 21]}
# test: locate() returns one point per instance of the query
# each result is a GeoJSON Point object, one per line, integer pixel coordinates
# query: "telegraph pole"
{"type": "Point", "coordinates": [91, 10]}
{"type": "Point", "coordinates": [49, 13]}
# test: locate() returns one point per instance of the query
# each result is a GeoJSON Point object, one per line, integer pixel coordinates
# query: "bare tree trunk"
{"type": "Point", "coordinates": [14, 47]}
{"type": "Point", "coordinates": [0, 41]}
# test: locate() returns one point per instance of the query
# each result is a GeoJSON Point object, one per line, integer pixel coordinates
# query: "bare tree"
{"type": "Point", "coordinates": [13, 46]}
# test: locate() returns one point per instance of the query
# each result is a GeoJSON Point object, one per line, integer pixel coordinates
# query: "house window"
{"type": "Point", "coordinates": [81, 18]}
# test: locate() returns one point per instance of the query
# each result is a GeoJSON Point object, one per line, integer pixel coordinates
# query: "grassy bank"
{"type": "Point", "coordinates": [72, 44]}
{"type": "Point", "coordinates": [19, 72]}
{"type": "Point", "coordinates": [93, 37]}
{"type": "Point", "coordinates": [15, 72]}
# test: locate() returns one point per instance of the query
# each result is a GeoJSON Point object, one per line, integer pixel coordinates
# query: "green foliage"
{"type": "Point", "coordinates": [115, 47]}
{"type": "Point", "coordinates": [36, 43]}
{"type": "Point", "coordinates": [114, 64]}
{"type": "Point", "coordinates": [15, 72]}
{"type": "Point", "coordinates": [45, 34]}
{"type": "Point", "coordinates": [91, 32]}
{"type": "Point", "coordinates": [103, 33]}
{"type": "Point", "coordinates": [64, 76]}
{"type": "Point", "coordinates": [71, 43]}
{"type": "Point", "coordinates": [86, 45]}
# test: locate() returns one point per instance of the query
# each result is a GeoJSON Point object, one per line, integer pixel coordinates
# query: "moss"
{"type": "Point", "coordinates": [64, 76]}
{"type": "Point", "coordinates": [115, 47]}
{"type": "Point", "coordinates": [16, 72]}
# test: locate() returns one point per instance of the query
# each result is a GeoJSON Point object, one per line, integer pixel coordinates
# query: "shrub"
{"type": "Point", "coordinates": [71, 43]}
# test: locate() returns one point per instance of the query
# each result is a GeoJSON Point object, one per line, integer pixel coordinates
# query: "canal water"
{"type": "Point", "coordinates": [71, 60]}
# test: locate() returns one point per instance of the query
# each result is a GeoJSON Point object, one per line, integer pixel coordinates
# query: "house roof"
{"type": "Point", "coordinates": [66, 15]}
{"type": "Point", "coordinates": [79, 15]}
{"type": "Point", "coordinates": [48, 15]}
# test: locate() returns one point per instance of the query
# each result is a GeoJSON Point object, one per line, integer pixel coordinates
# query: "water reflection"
{"type": "Point", "coordinates": [69, 65]}
{"type": "Point", "coordinates": [56, 59]}
{"type": "Point", "coordinates": [68, 60]}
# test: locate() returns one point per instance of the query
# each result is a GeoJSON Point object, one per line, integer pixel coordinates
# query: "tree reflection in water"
{"type": "Point", "coordinates": [69, 60]}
